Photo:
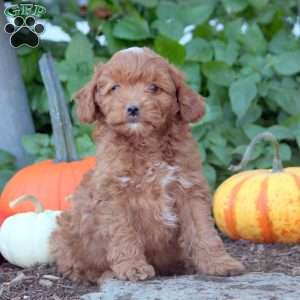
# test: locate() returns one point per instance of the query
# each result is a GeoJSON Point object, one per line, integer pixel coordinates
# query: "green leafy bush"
{"type": "Point", "coordinates": [7, 167]}
{"type": "Point", "coordinates": [242, 56]}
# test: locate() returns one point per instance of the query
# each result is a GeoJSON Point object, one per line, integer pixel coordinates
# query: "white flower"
{"type": "Point", "coordinates": [82, 2]}
{"type": "Point", "coordinates": [244, 28]}
{"type": "Point", "coordinates": [213, 22]}
{"type": "Point", "coordinates": [296, 28]}
{"type": "Point", "coordinates": [83, 26]}
{"type": "Point", "coordinates": [53, 33]}
{"type": "Point", "coordinates": [216, 24]}
{"type": "Point", "coordinates": [219, 27]}
{"type": "Point", "coordinates": [189, 28]}
{"type": "Point", "coordinates": [102, 40]}
{"type": "Point", "coordinates": [186, 38]}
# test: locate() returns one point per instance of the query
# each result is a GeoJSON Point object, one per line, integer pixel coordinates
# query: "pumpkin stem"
{"type": "Point", "coordinates": [39, 208]}
{"type": "Point", "coordinates": [264, 136]}
{"type": "Point", "coordinates": [65, 149]}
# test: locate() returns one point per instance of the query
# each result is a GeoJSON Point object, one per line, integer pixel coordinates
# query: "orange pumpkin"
{"type": "Point", "coordinates": [50, 181]}
{"type": "Point", "coordinates": [260, 205]}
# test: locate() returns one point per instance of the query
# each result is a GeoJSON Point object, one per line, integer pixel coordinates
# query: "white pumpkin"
{"type": "Point", "coordinates": [24, 237]}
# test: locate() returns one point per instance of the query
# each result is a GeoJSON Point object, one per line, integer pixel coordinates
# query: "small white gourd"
{"type": "Point", "coordinates": [24, 237]}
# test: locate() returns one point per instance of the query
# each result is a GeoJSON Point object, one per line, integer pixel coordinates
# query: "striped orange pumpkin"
{"type": "Point", "coordinates": [260, 205]}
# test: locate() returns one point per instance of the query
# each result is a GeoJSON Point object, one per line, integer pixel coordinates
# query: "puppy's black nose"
{"type": "Point", "coordinates": [132, 110]}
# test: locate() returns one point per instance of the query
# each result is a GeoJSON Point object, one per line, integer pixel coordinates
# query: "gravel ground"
{"type": "Point", "coordinates": [39, 283]}
{"type": "Point", "coordinates": [43, 283]}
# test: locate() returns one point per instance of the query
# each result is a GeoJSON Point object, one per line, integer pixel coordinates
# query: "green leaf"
{"type": "Point", "coordinates": [196, 12]}
{"type": "Point", "coordinates": [79, 50]}
{"type": "Point", "coordinates": [85, 146]}
{"type": "Point", "coordinates": [253, 39]}
{"type": "Point", "coordinates": [34, 143]}
{"type": "Point", "coordinates": [258, 4]}
{"type": "Point", "coordinates": [256, 63]}
{"type": "Point", "coordinates": [63, 69]}
{"type": "Point", "coordinates": [227, 53]}
{"type": "Point", "coordinates": [79, 78]}
{"type": "Point", "coordinates": [210, 174]}
{"type": "Point", "coordinates": [217, 93]}
{"type": "Point", "coordinates": [281, 132]}
{"type": "Point", "coordinates": [288, 63]}
{"type": "Point", "coordinates": [171, 28]}
{"type": "Point", "coordinates": [188, 12]}
{"type": "Point", "coordinates": [213, 112]}
{"type": "Point", "coordinates": [265, 16]}
{"type": "Point", "coordinates": [198, 50]}
{"type": "Point", "coordinates": [252, 115]}
{"type": "Point", "coordinates": [39, 100]}
{"type": "Point", "coordinates": [251, 130]}
{"type": "Point", "coordinates": [215, 138]}
{"type": "Point", "coordinates": [293, 122]}
{"type": "Point", "coordinates": [146, 3]}
{"type": "Point", "coordinates": [219, 72]}
{"type": "Point", "coordinates": [204, 31]}
{"type": "Point", "coordinates": [232, 29]}
{"type": "Point", "coordinates": [132, 28]}
{"type": "Point", "coordinates": [234, 6]}
{"type": "Point", "coordinates": [5, 175]}
{"type": "Point", "coordinates": [29, 65]}
{"type": "Point", "coordinates": [6, 158]}
{"type": "Point", "coordinates": [283, 41]}
{"type": "Point", "coordinates": [77, 68]}
{"type": "Point", "coordinates": [30, 145]}
{"type": "Point", "coordinates": [285, 152]}
{"type": "Point", "coordinates": [221, 154]}
{"type": "Point", "coordinates": [285, 97]}
{"type": "Point", "coordinates": [113, 44]}
{"type": "Point", "coordinates": [198, 131]}
{"type": "Point", "coordinates": [192, 73]}
{"type": "Point", "coordinates": [167, 10]}
{"type": "Point", "coordinates": [256, 153]}
{"type": "Point", "coordinates": [298, 139]}
{"type": "Point", "coordinates": [202, 152]}
{"type": "Point", "coordinates": [170, 49]}
{"type": "Point", "coordinates": [241, 93]}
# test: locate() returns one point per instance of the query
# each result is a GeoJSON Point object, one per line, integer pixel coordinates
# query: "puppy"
{"type": "Point", "coordinates": [146, 208]}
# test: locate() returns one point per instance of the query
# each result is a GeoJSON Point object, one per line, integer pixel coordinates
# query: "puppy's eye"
{"type": "Point", "coordinates": [115, 87]}
{"type": "Point", "coordinates": [153, 88]}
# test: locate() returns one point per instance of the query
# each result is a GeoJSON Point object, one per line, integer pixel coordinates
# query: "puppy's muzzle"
{"type": "Point", "coordinates": [133, 113]}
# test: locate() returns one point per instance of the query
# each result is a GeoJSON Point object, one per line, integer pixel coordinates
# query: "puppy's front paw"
{"type": "Point", "coordinates": [134, 271]}
{"type": "Point", "coordinates": [222, 266]}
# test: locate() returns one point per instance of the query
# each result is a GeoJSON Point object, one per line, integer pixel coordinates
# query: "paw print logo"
{"type": "Point", "coordinates": [24, 32]}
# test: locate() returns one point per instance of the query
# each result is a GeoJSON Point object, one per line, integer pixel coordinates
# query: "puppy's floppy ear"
{"type": "Point", "coordinates": [87, 109]}
{"type": "Point", "coordinates": [191, 105]}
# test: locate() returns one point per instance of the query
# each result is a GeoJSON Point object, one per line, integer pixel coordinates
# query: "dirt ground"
{"type": "Point", "coordinates": [43, 283]}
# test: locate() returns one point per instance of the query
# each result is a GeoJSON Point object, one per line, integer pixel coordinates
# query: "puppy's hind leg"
{"type": "Point", "coordinates": [202, 247]}
{"type": "Point", "coordinates": [67, 251]}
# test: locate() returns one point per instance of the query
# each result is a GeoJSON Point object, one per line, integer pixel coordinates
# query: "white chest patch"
{"type": "Point", "coordinates": [161, 175]}
{"type": "Point", "coordinates": [124, 180]}
{"type": "Point", "coordinates": [165, 175]}
{"type": "Point", "coordinates": [168, 215]}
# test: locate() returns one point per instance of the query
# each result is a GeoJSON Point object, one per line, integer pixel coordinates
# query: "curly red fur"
{"type": "Point", "coordinates": [145, 209]}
